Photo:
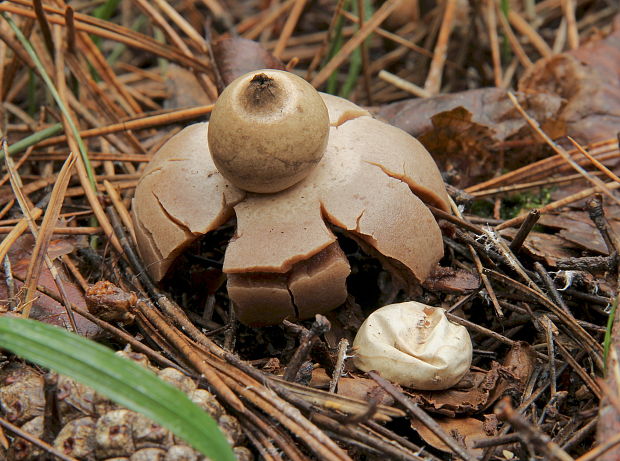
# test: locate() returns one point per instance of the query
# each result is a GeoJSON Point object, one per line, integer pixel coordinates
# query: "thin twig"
{"type": "Point", "coordinates": [341, 354]}
{"type": "Point", "coordinates": [524, 230]}
{"type": "Point", "coordinates": [558, 150]}
{"type": "Point", "coordinates": [540, 440]}
{"type": "Point", "coordinates": [35, 441]}
{"type": "Point", "coordinates": [416, 412]}
{"type": "Point", "coordinates": [377, 18]}
{"type": "Point", "coordinates": [289, 26]}
{"type": "Point", "coordinates": [433, 79]}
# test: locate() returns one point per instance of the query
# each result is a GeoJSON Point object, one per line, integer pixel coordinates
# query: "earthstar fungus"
{"type": "Point", "coordinates": [268, 131]}
{"type": "Point", "coordinates": [414, 345]}
{"type": "Point", "coordinates": [372, 181]}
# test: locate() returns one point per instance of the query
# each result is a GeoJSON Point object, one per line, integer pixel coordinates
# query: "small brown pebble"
{"type": "Point", "coordinates": [243, 454]}
{"type": "Point", "coordinates": [181, 453]}
{"type": "Point", "coordinates": [178, 380]}
{"type": "Point", "coordinates": [20, 449]}
{"type": "Point", "coordinates": [207, 401]}
{"type": "Point", "coordinates": [77, 439]}
{"type": "Point", "coordinates": [21, 393]}
{"type": "Point", "coordinates": [231, 429]}
{"type": "Point", "coordinates": [103, 405]}
{"type": "Point", "coordinates": [108, 302]}
{"type": "Point", "coordinates": [73, 399]}
{"type": "Point", "coordinates": [146, 432]}
{"type": "Point", "coordinates": [149, 454]}
{"type": "Point", "coordinates": [137, 357]}
{"type": "Point", "coordinates": [113, 434]}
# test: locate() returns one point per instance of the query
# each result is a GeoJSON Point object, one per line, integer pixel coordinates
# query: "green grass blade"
{"type": "Point", "coordinates": [120, 48]}
{"type": "Point", "coordinates": [106, 10]}
{"type": "Point", "coordinates": [336, 43]}
{"type": "Point", "coordinates": [32, 139]}
{"type": "Point", "coordinates": [355, 61]}
{"type": "Point", "coordinates": [504, 6]}
{"type": "Point", "coordinates": [119, 379]}
{"type": "Point", "coordinates": [50, 85]}
{"type": "Point", "coordinates": [609, 331]}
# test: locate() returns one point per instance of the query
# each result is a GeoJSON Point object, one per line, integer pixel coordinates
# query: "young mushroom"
{"type": "Point", "coordinates": [372, 181]}
{"type": "Point", "coordinates": [267, 133]}
{"type": "Point", "coordinates": [413, 345]}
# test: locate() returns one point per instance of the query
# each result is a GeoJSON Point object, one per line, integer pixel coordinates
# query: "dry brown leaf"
{"type": "Point", "coordinates": [576, 227]}
{"type": "Point", "coordinates": [515, 373]}
{"type": "Point", "coordinates": [362, 389]}
{"type": "Point", "coordinates": [464, 430]}
{"type": "Point", "coordinates": [479, 389]}
{"type": "Point", "coordinates": [489, 107]}
{"type": "Point", "coordinates": [588, 79]}
{"type": "Point", "coordinates": [450, 280]}
{"type": "Point", "coordinates": [237, 56]}
{"type": "Point", "coordinates": [470, 395]}
{"type": "Point", "coordinates": [545, 247]}
{"type": "Point", "coordinates": [183, 89]}
{"type": "Point", "coordinates": [45, 308]}
{"type": "Point", "coordinates": [461, 129]}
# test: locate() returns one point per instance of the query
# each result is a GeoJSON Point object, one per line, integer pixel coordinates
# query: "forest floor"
{"type": "Point", "coordinates": [517, 102]}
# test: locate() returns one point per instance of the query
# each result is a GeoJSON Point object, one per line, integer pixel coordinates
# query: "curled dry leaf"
{"type": "Point", "coordinates": [413, 345]}
{"type": "Point", "coordinates": [588, 80]}
{"type": "Point", "coordinates": [479, 389]}
{"type": "Point", "coordinates": [183, 89]}
{"type": "Point", "coordinates": [464, 430]}
{"type": "Point", "coordinates": [450, 280]}
{"type": "Point", "coordinates": [108, 302]}
{"type": "Point", "coordinates": [45, 308]}
{"type": "Point", "coordinates": [284, 261]}
{"type": "Point", "coordinates": [462, 129]}
{"type": "Point", "coordinates": [237, 56]}
{"type": "Point", "coordinates": [544, 247]}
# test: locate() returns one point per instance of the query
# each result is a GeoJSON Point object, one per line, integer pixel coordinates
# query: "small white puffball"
{"type": "Point", "coordinates": [414, 345]}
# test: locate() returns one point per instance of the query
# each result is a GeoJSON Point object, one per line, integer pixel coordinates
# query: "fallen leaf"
{"type": "Point", "coordinates": [576, 227]}
{"type": "Point", "coordinates": [515, 373]}
{"type": "Point", "coordinates": [489, 107]}
{"type": "Point", "coordinates": [183, 89]}
{"type": "Point", "coordinates": [237, 56]}
{"type": "Point", "coordinates": [548, 248]}
{"type": "Point", "coordinates": [462, 130]}
{"type": "Point", "coordinates": [469, 396]}
{"type": "Point", "coordinates": [45, 308]}
{"type": "Point", "coordinates": [588, 79]}
{"type": "Point", "coordinates": [362, 389]}
{"type": "Point", "coordinates": [464, 430]}
{"type": "Point", "coordinates": [479, 389]}
{"type": "Point", "coordinates": [450, 280]}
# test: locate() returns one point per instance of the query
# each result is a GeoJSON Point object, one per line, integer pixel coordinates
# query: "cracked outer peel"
{"type": "Point", "coordinates": [413, 345]}
{"type": "Point", "coordinates": [284, 261]}
{"type": "Point", "coordinates": [359, 197]}
{"type": "Point", "coordinates": [311, 287]}
{"type": "Point", "coordinates": [275, 231]}
{"type": "Point", "coordinates": [320, 282]}
{"type": "Point", "coordinates": [403, 157]}
{"type": "Point", "coordinates": [167, 219]}
{"type": "Point", "coordinates": [341, 110]}
{"type": "Point", "coordinates": [260, 299]}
